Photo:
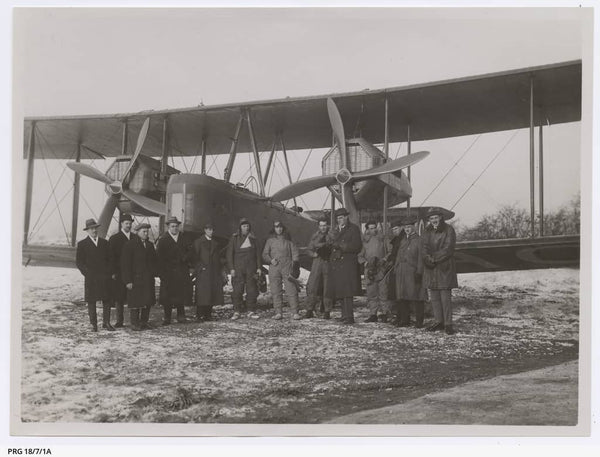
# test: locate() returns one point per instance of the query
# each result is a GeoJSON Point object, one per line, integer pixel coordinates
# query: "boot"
{"type": "Point", "coordinates": [435, 327]}
{"type": "Point", "coordinates": [145, 317]}
{"type": "Point", "coordinates": [326, 315]}
{"type": "Point", "coordinates": [348, 306]}
{"type": "Point", "coordinates": [372, 318]}
{"type": "Point", "coordinates": [419, 314]}
{"type": "Point", "coordinates": [167, 314]}
{"type": "Point", "coordinates": [120, 314]}
{"type": "Point", "coordinates": [134, 319]}
{"type": "Point", "coordinates": [449, 330]}
{"type": "Point", "coordinates": [93, 316]}
{"type": "Point", "coordinates": [383, 318]}
{"type": "Point", "coordinates": [181, 319]}
{"type": "Point", "coordinates": [309, 314]}
{"type": "Point", "coordinates": [106, 317]}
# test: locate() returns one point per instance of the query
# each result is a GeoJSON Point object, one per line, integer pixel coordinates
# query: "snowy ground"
{"type": "Point", "coordinates": [265, 371]}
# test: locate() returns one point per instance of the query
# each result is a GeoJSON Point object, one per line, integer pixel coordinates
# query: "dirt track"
{"type": "Point", "coordinates": [263, 371]}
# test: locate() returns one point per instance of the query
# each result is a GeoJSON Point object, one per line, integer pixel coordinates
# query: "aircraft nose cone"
{"type": "Point", "coordinates": [343, 176]}
{"type": "Point", "coordinates": [115, 187]}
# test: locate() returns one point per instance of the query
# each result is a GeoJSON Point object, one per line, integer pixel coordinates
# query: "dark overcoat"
{"type": "Point", "coordinates": [439, 244]}
{"type": "Point", "coordinates": [115, 247]}
{"type": "Point", "coordinates": [344, 273]}
{"type": "Point", "coordinates": [174, 263]}
{"type": "Point", "coordinates": [138, 267]}
{"type": "Point", "coordinates": [94, 264]}
{"type": "Point", "coordinates": [209, 270]}
{"type": "Point", "coordinates": [395, 243]}
{"type": "Point", "coordinates": [318, 284]}
{"type": "Point", "coordinates": [408, 268]}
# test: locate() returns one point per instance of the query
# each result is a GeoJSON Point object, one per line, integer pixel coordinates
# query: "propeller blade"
{"type": "Point", "coordinates": [390, 167]}
{"type": "Point", "coordinates": [158, 208]}
{"type": "Point", "coordinates": [303, 187]}
{"type": "Point", "coordinates": [107, 214]}
{"type": "Point", "coordinates": [349, 202]}
{"type": "Point", "coordinates": [89, 171]}
{"type": "Point", "coordinates": [138, 147]}
{"type": "Point", "coordinates": [337, 126]}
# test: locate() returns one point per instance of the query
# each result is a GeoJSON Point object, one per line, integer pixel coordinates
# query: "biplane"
{"type": "Point", "coordinates": [358, 174]}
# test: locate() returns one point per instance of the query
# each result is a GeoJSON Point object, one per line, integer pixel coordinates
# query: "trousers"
{"type": "Point", "coordinates": [93, 314]}
{"type": "Point", "coordinates": [139, 317]}
{"type": "Point", "coordinates": [377, 297]}
{"type": "Point", "coordinates": [244, 279]}
{"type": "Point", "coordinates": [441, 302]}
{"type": "Point", "coordinates": [278, 275]}
{"type": "Point", "coordinates": [168, 310]}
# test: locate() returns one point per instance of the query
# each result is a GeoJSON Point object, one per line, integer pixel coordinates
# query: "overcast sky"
{"type": "Point", "coordinates": [74, 61]}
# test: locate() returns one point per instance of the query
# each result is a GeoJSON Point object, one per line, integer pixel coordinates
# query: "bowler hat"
{"type": "Point", "coordinates": [91, 223]}
{"type": "Point", "coordinates": [144, 225]}
{"type": "Point", "coordinates": [341, 212]}
{"type": "Point", "coordinates": [126, 217]}
{"type": "Point", "coordinates": [435, 211]}
{"type": "Point", "coordinates": [172, 220]}
{"type": "Point", "coordinates": [409, 220]}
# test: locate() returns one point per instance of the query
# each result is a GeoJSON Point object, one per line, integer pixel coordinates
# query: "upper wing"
{"type": "Point", "coordinates": [443, 109]}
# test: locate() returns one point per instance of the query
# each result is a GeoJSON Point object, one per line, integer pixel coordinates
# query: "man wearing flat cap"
{"type": "Point", "coordinates": [439, 275]}
{"type": "Point", "coordinates": [174, 262]}
{"type": "Point", "coordinates": [346, 243]}
{"type": "Point", "coordinates": [210, 273]}
{"type": "Point", "coordinates": [138, 270]}
{"type": "Point", "coordinates": [115, 247]}
{"type": "Point", "coordinates": [408, 270]}
{"type": "Point", "coordinates": [244, 264]}
{"type": "Point", "coordinates": [93, 261]}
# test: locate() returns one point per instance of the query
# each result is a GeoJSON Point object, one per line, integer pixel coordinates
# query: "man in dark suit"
{"type": "Point", "coordinates": [115, 247]}
{"type": "Point", "coordinates": [138, 269]}
{"type": "Point", "coordinates": [174, 262]}
{"type": "Point", "coordinates": [92, 260]}
{"type": "Point", "coordinates": [346, 242]}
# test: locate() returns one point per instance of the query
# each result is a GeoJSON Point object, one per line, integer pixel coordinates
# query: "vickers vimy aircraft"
{"type": "Point", "coordinates": [358, 174]}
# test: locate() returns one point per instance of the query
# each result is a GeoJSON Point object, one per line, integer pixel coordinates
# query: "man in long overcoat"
{"type": "Point", "coordinates": [210, 273]}
{"type": "Point", "coordinates": [244, 263]}
{"type": "Point", "coordinates": [93, 261]}
{"type": "Point", "coordinates": [115, 247]}
{"type": "Point", "coordinates": [346, 242]}
{"type": "Point", "coordinates": [372, 255]}
{"type": "Point", "coordinates": [138, 270]}
{"type": "Point", "coordinates": [174, 262]}
{"type": "Point", "coordinates": [408, 271]}
{"type": "Point", "coordinates": [397, 236]}
{"type": "Point", "coordinates": [317, 287]}
{"type": "Point", "coordinates": [439, 276]}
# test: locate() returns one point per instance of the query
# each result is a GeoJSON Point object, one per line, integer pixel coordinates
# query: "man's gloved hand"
{"type": "Point", "coordinates": [295, 269]}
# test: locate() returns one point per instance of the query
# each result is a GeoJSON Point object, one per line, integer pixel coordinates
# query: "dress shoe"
{"type": "Point", "coordinates": [372, 318]}
{"type": "Point", "coordinates": [404, 324]}
{"type": "Point", "coordinates": [326, 315]}
{"type": "Point", "coordinates": [309, 314]}
{"type": "Point", "coordinates": [436, 326]}
{"type": "Point", "coordinates": [94, 328]}
{"type": "Point", "coordinates": [108, 327]}
{"type": "Point", "coordinates": [383, 318]}
{"type": "Point", "coordinates": [449, 330]}
{"type": "Point", "coordinates": [165, 322]}
{"type": "Point", "coordinates": [118, 325]}
{"type": "Point", "coordinates": [136, 328]}
{"type": "Point", "coordinates": [235, 316]}
{"type": "Point", "coordinates": [348, 322]}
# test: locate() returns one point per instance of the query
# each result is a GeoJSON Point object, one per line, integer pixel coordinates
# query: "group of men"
{"type": "Point", "coordinates": [399, 271]}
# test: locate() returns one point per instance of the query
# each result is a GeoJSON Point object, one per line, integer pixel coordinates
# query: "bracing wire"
{"type": "Point", "coordinates": [486, 167]}
{"type": "Point", "coordinates": [450, 170]}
